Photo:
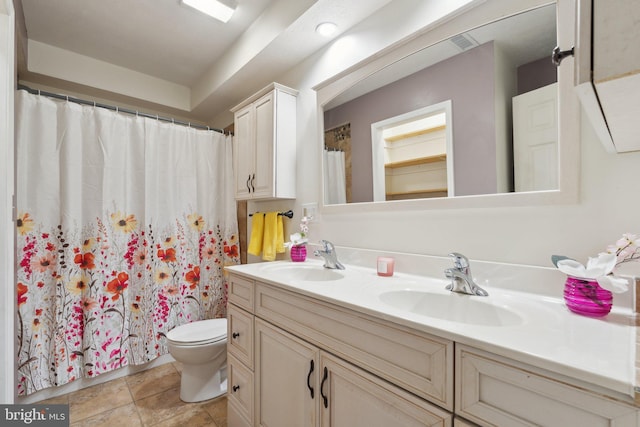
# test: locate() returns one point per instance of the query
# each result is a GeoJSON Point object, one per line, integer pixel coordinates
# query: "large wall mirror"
{"type": "Point", "coordinates": [472, 110]}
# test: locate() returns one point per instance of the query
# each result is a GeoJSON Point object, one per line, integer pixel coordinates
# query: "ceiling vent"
{"type": "Point", "coordinates": [464, 41]}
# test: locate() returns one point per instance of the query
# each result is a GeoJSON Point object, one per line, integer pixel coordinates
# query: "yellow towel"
{"type": "Point", "coordinates": [257, 234]}
{"type": "Point", "coordinates": [270, 234]}
{"type": "Point", "coordinates": [280, 236]}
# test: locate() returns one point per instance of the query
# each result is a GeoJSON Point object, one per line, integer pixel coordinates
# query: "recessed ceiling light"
{"type": "Point", "coordinates": [326, 29]}
{"type": "Point", "coordinates": [219, 9]}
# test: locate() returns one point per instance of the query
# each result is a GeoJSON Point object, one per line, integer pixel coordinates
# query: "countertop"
{"type": "Point", "coordinates": [543, 332]}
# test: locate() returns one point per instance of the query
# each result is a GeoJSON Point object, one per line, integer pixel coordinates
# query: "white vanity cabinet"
{"type": "Point", "coordinates": [315, 364]}
{"type": "Point", "coordinates": [240, 354]}
{"type": "Point", "coordinates": [496, 391]}
{"type": "Point", "coordinates": [265, 145]}
{"type": "Point", "coordinates": [298, 360]}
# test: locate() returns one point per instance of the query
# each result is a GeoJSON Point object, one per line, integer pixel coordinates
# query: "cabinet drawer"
{"type": "Point", "coordinates": [241, 292]}
{"type": "Point", "coordinates": [240, 335]}
{"type": "Point", "coordinates": [240, 390]}
{"type": "Point", "coordinates": [495, 391]}
{"type": "Point", "coordinates": [417, 362]}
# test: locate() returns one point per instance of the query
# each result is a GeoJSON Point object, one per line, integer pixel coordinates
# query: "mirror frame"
{"type": "Point", "coordinates": [568, 108]}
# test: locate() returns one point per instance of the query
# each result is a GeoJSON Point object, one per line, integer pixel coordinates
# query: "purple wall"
{"type": "Point", "coordinates": [536, 74]}
{"type": "Point", "coordinates": [466, 79]}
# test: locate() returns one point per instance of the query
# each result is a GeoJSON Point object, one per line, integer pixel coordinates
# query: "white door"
{"type": "Point", "coordinates": [286, 376]}
{"type": "Point", "coordinates": [535, 139]}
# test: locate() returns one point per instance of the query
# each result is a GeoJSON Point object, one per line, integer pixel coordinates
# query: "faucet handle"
{"type": "Point", "coordinates": [460, 261]}
{"type": "Point", "coordinates": [328, 246]}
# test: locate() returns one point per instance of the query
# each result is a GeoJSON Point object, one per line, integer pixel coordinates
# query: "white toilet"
{"type": "Point", "coordinates": [201, 347]}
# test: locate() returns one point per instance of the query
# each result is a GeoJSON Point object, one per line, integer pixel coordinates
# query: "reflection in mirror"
{"type": "Point", "coordinates": [499, 136]}
{"type": "Point", "coordinates": [337, 164]}
{"type": "Point", "coordinates": [413, 154]}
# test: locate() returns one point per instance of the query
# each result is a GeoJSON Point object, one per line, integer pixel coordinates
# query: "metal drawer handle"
{"type": "Point", "coordinates": [325, 400]}
{"type": "Point", "coordinates": [235, 335]}
{"type": "Point", "coordinates": [309, 378]}
{"type": "Point", "coordinates": [236, 388]}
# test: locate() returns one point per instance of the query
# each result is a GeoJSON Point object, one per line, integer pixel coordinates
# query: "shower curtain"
{"type": "Point", "coordinates": [124, 226]}
{"type": "Point", "coordinates": [334, 177]}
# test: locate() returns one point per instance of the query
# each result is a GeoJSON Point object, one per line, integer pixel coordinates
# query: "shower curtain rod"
{"type": "Point", "coordinates": [116, 108]}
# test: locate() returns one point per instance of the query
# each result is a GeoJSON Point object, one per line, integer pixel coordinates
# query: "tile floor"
{"type": "Point", "coordinates": [149, 398]}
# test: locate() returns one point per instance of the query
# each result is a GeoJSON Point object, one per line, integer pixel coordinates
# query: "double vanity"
{"type": "Point", "coordinates": [310, 346]}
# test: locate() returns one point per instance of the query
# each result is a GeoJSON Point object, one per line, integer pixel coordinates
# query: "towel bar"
{"type": "Point", "coordinates": [288, 214]}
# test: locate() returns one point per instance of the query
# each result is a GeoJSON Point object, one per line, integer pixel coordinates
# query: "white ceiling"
{"type": "Point", "coordinates": [211, 65]}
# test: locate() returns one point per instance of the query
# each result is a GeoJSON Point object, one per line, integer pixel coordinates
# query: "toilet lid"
{"type": "Point", "coordinates": [202, 330]}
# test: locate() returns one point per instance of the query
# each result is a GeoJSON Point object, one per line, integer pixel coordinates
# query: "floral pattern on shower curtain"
{"type": "Point", "coordinates": [124, 227]}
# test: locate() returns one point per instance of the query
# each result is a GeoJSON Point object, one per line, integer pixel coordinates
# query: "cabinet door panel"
{"type": "Point", "coordinates": [494, 391]}
{"type": "Point", "coordinates": [243, 157]}
{"type": "Point", "coordinates": [264, 148]}
{"type": "Point", "coordinates": [356, 398]}
{"type": "Point", "coordinates": [417, 362]}
{"type": "Point", "coordinates": [284, 379]}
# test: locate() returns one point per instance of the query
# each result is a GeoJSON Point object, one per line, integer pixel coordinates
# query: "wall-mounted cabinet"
{"type": "Point", "coordinates": [608, 70]}
{"type": "Point", "coordinates": [265, 145]}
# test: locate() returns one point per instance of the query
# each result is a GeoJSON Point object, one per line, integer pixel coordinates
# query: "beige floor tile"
{"type": "Point", "coordinates": [59, 400]}
{"type": "Point", "coordinates": [153, 381]}
{"type": "Point", "coordinates": [157, 403]}
{"type": "Point", "coordinates": [162, 406]}
{"type": "Point", "coordinates": [195, 417]}
{"type": "Point", "coordinates": [217, 408]}
{"type": "Point", "coordinates": [91, 401]}
{"type": "Point", "coordinates": [123, 416]}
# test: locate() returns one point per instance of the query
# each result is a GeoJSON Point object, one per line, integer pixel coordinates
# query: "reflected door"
{"type": "Point", "coordinates": [535, 139]}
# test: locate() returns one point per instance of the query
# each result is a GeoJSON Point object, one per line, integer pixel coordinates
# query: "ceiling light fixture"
{"type": "Point", "coordinates": [326, 29]}
{"type": "Point", "coordinates": [219, 9]}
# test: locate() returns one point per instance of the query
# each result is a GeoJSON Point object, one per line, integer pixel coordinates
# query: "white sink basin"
{"type": "Point", "coordinates": [453, 307]}
{"type": "Point", "coordinates": [303, 272]}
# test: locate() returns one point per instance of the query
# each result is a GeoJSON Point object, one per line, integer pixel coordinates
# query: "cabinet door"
{"type": "Point", "coordinates": [494, 391]}
{"type": "Point", "coordinates": [243, 151]}
{"type": "Point", "coordinates": [286, 379]}
{"type": "Point", "coordinates": [263, 183]}
{"type": "Point", "coordinates": [351, 397]}
{"type": "Point", "coordinates": [417, 362]}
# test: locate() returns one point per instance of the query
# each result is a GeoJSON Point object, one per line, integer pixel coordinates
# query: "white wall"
{"type": "Point", "coordinates": [7, 288]}
{"type": "Point", "coordinates": [607, 208]}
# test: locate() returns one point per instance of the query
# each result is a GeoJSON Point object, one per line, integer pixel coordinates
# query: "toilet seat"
{"type": "Point", "coordinates": [199, 332]}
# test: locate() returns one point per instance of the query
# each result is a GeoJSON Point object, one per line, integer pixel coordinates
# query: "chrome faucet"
{"type": "Point", "coordinates": [461, 279]}
{"type": "Point", "coordinates": [328, 252]}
